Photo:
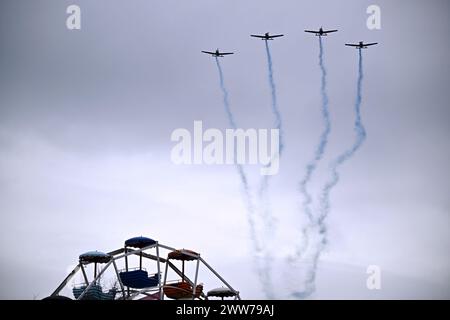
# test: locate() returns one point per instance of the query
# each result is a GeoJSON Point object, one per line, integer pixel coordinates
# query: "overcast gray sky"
{"type": "Point", "coordinates": [86, 118]}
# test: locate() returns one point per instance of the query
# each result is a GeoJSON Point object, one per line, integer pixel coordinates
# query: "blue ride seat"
{"type": "Point", "coordinates": [95, 292]}
{"type": "Point", "coordinates": [139, 279]}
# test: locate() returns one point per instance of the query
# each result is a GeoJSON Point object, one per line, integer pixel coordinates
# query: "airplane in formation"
{"type": "Point", "coordinates": [217, 53]}
{"type": "Point", "coordinates": [266, 36]}
{"type": "Point", "coordinates": [320, 32]}
{"type": "Point", "coordinates": [361, 45]}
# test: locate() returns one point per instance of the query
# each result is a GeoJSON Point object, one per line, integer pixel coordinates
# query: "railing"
{"type": "Point", "coordinates": [132, 269]}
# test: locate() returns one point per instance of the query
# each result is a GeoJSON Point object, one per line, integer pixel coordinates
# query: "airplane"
{"type": "Point", "coordinates": [321, 32]}
{"type": "Point", "coordinates": [361, 45]}
{"type": "Point", "coordinates": [217, 53]}
{"type": "Point", "coordinates": [266, 36]}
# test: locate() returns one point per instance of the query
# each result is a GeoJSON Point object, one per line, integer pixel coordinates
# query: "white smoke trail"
{"type": "Point", "coordinates": [319, 152]}
{"type": "Point", "coordinates": [261, 260]}
{"type": "Point", "coordinates": [275, 110]}
{"type": "Point", "coordinates": [265, 210]}
{"type": "Point", "coordinates": [240, 169]}
{"type": "Point", "coordinates": [319, 221]}
{"type": "Point", "coordinates": [360, 137]}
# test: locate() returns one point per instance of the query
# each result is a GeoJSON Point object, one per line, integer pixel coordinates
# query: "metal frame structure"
{"type": "Point", "coordinates": [129, 293]}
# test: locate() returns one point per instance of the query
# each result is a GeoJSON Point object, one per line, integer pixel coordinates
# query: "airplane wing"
{"type": "Point", "coordinates": [225, 53]}
{"type": "Point", "coordinates": [311, 31]}
{"type": "Point", "coordinates": [257, 36]}
{"type": "Point", "coordinates": [276, 35]}
{"type": "Point", "coordinates": [370, 44]}
{"type": "Point", "coordinates": [329, 31]}
{"type": "Point", "coordinates": [208, 52]}
{"type": "Point", "coordinates": [352, 45]}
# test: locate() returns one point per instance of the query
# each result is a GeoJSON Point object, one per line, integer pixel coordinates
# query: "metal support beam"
{"type": "Point", "coordinates": [136, 251]}
{"type": "Point", "coordinates": [159, 270]}
{"type": "Point", "coordinates": [195, 280]}
{"type": "Point", "coordinates": [118, 278]}
{"type": "Point", "coordinates": [66, 280]}
{"type": "Point", "coordinates": [167, 247]}
{"type": "Point", "coordinates": [165, 279]}
{"type": "Point", "coordinates": [218, 276]}
{"type": "Point", "coordinates": [126, 268]}
{"type": "Point", "coordinates": [151, 257]}
{"type": "Point", "coordinates": [116, 252]}
{"type": "Point", "coordinates": [95, 280]}
{"type": "Point", "coordinates": [84, 274]}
